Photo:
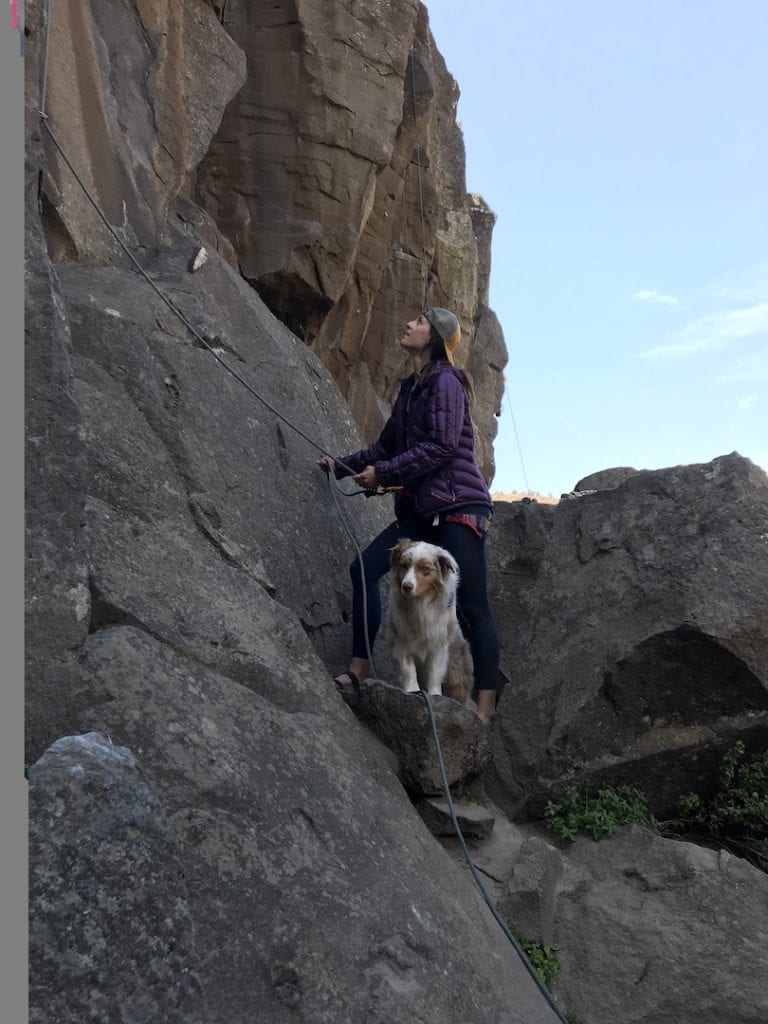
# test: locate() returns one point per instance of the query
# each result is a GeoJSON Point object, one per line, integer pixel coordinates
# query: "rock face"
{"type": "Point", "coordinates": [202, 506]}
{"type": "Point", "coordinates": [605, 479]}
{"type": "Point", "coordinates": [338, 176]}
{"type": "Point", "coordinates": [57, 600]}
{"type": "Point", "coordinates": [111, 936]}
{"type": "Point", "coordinates": [401, 721]}
{"type": "Point", "coordinates": [635, 633]}
{"type": "Point", "coordinates": [135, 92]}
{"type": "Point", "coordinates": [307, 879]}
{"type": "Point", "coordinates": [648, 929]}
{"type": "Point", "coordinates": [188, 584]}
{"type": "Point", "coordinates": [474, 821]}
{"type": "Point", "coordinates": [187, 569]}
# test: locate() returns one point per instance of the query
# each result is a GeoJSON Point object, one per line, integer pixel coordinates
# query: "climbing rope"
{"type": "Point", "coordinates": [517, 439]}
{"type": "Point", "coordinates": [474, 869]}
{"type": "Point", "coordinates": [353, 538]}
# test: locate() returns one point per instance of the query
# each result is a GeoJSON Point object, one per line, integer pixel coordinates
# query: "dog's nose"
{"type": "Point", "coordinates": [406, 586]}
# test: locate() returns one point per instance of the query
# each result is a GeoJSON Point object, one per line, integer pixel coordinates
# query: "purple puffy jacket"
{"type": "Point", "coordinates": [427, 445]}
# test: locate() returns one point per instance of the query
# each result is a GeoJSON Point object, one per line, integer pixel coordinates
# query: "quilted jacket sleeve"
{"type": "Point", "coordinates": [382, 448]}
{"type": "Point", "coordinates": [436, 434]}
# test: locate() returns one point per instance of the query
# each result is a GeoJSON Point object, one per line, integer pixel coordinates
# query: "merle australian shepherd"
{"type": "Point", "coordinates": [426, 638]}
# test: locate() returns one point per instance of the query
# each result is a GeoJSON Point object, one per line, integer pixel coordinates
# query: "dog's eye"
{"type": "Point", "coordinates": [425, 568]}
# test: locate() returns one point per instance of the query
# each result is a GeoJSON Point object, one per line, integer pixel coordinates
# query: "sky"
{"type": "Point", "coordinates": [623, 147]}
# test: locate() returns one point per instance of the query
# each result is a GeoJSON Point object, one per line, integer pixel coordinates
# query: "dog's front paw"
{"type": "Point", "coordinates": [435, 691]}
{"type": "Point", "coordinates": [410, 687]}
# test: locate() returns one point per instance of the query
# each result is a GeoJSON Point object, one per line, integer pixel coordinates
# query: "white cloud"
{"type": "Point", "coordinates": [747, 402]}
{"type": "Point", "coordinates": [714, 331]}
{"type": "Point", "coordinates": [677, 349]}
{"type": "Point", "coordinates": [746, 287]}
{"type": "Point", "coordinates": [747, 369]}
{"type": "Point", "coordinates": [648, 295]}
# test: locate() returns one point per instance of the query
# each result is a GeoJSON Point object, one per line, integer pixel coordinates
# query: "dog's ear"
{"type": "Point", "coordinates": [447, 564]}
{"type": "Point", "coordinates": [398, 549]}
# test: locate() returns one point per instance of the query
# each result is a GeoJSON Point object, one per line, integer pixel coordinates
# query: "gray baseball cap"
{"type": "Point", "coordinates": [447, 326]}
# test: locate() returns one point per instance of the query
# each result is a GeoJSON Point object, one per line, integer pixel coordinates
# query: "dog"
{"type": "Point", "coordinates": [427, 642]}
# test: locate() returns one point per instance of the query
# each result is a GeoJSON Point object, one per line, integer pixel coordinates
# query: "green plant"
{"type": "Point", "coordinates": [597, 816]}
{"type": "Point", "coordinates": [544, 959]}
{"type": "Point", "coordinates": [735, 816]}
{"type": "Point", "coordinates": [737, 812]}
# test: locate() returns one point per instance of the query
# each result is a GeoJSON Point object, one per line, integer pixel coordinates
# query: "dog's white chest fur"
{"type": "Point", "coordinates": [427, 642]}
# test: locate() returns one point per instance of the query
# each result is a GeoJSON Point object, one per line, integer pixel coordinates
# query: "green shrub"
{"type": "Point", "coordinates": [597, 816]}
{"type": "Point", "coordinates": [544, 959]}
{"type": "Point", "coordinates": [736, 816]}
{"type": "Point", "coordinates": [737, 813]}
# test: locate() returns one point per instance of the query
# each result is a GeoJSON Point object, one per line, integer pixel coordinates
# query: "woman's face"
{"type": "Point", "coordinates": [415, 336]}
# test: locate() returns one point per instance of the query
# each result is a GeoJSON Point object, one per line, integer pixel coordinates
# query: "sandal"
{"type": "Point", "coordinates": [347, 691]}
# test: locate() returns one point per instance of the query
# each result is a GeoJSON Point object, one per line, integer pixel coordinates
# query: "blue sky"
{"type": "Point", "coordinates": [623, 147]}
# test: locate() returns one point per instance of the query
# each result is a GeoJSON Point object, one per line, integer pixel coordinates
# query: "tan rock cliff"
{"type": "Point", "coordinates": [338, 176]}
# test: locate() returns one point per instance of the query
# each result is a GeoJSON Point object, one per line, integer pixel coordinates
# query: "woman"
{"type": "Point", "coordinates": [427, 449]}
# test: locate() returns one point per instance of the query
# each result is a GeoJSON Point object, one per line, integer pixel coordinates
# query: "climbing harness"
{"type": "Point", "coordinates": [332, 483]}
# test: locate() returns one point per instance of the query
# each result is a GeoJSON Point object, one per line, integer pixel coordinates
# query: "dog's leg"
{"type": "Point", "coordinates": [408, 674]}
{"type": "Point", "coordinates": [458, 678]}
{"type": "Point", "coordinates": [436, 670]}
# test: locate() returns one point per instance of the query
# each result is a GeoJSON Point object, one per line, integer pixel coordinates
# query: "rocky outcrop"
{"type": "Point", "coordinates": [402, 722]}
{"type": "Point", "coordinates": [135, 92]}
{"type": "Point", "coordinates": [198, 503]}
{"type": "Point", "coordinates": [634, 623]}
{"type": "Point", "coordinates": [338, 176]}
{"type": "Point", "coordinates": [474, 820]}
{"type": "Point", "coordinates": [111, 934]}
{"type": "Point", "coordinates": [604, 479]}
{"type": "Point", "coordinates": [187, 584]}
{"type": "Point", "coordinates": [294, 872]}
{"type": "Point", "coordinates": [335, 181]}
{"type": "Point", "coordinates": [188, 591]}
{"type": "Point", "coordinates": [647, 929]}
{"type": "Point", "coordinates": [203, 507]}
{"type": "Point", "coordinates": [56, 596]}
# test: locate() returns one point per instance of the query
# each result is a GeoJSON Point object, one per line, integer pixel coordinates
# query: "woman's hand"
{"type": "Point", "coordinates": [327, 465]}
{"type": "Point", "coordinates": [367, 478]}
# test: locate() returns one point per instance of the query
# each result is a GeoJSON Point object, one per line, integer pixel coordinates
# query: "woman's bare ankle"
{"type": "Point", "coordinates": [486, 705]}
{"type": "Point", "coordinates": [360, 667]}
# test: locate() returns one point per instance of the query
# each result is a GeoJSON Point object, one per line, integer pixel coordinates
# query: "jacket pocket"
{"type": "Point", "coordinates": [441, 487]}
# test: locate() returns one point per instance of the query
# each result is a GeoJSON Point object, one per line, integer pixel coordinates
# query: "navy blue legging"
{"type": "Point", "coordinates": [469, 551]}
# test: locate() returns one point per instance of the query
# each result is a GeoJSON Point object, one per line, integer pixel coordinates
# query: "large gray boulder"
{"type": "Point", "coordinates": [110, 934]}
{"type": "Point", "coordinates": [402, 722]}
{"type": "Point", "coordinates": [648, 929]}
{"type": "Point", "coordinates": [314, 888]}
{"type": "Point", "coordinates": [201, 506]}
{"type": "Point", "coordinates": [634, 626]}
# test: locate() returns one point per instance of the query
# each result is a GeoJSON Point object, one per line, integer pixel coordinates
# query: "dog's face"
{"type": "Point", "coordinates": [418, 568]}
